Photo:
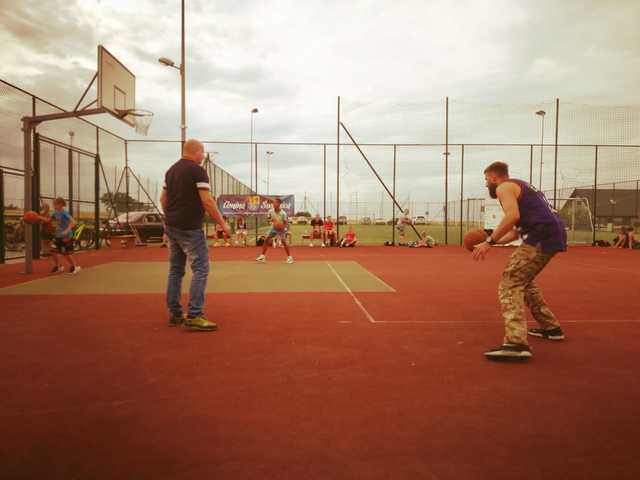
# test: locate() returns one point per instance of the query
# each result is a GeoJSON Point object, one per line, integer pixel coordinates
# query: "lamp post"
{"type": "Point", "coordinates": [253, 111]}
{"type": "Point", "coordinates": [541, 114]}
{"type": "Point", "coordinates": [170, 63]}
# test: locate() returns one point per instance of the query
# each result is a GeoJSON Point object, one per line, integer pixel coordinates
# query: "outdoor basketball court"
{"type": "Point", "coordinates": [299, 383]}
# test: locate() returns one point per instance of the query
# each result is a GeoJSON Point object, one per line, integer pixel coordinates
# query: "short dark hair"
{"type": "Point", "coordinates": [60, 201]}
{"type": "Point", "coordinates": [277, 199]}
{"type": "Point", "coordinates": [499, 168]}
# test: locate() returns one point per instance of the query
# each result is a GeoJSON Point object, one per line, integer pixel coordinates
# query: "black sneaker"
{"type": "Point", "coordinates": [176, 320]}
{"type": "Point", "coordinates": [553, 334]}
{"type": "Point", "coordinates": [509, 351]}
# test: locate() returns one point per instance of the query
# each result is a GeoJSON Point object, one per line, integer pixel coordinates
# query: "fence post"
{"type": "Point", "coordinates": [393, 207]}
{"type": "Point", "coordinates": [324, 182]}
{"type": "Point", "coordinates": [96, 222]}
{"type": "Point", "coordinates": [461, 193]}
{"type": "Point", "coordinates": [555, 161]}
{"type": "Point", "coordinates": [35, 190]}
{"type": "Point", "coordinates": [338, 173]}
{"type": "Point", "coordinates": [2, 238]}
{"type": "Point", "coordinates": [595, 196]}
{"type": "Point", "coordinates": [70, 175]}
{"type": "Point", "coordinates": [446, 172]}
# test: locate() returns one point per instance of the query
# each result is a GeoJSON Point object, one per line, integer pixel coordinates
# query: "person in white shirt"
{"type": "Point", "coordinates": [403, 221]}
{"type": "Point", "coordinates": [279, 226]}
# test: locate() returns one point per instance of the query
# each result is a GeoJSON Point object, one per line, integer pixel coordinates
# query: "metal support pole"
{"type": "Point", "coordinates": [555, 160]}
{"type": "Point", "coordinates": [70, 176]}
{"type": "Point", "coordinates": [2, 239]}
{"type": "Point", "coordinates": [36, 193]}
{"type": "Point", "coordinates": [324, 182]}
{"type": "Point", "coordinates": [28, 183]}
{"type": "Point", "coordinates": [96, 199]}
{"type": "Point", "coordinates": [446, 172]}
{"type": "Point", "coordinates": [255, 154]}
{"type": "Point", "coordinates": [393, 218]}
{"type": "Point", "coordinates": [461, 194]}
{"type": "Point", "coordinates": [126, 180]}
{"type": "Point", "coordinates": [531, 164]}
{"type": "Point", "coordinates": [183, 73]}
{"type": "Point", "coordinates": [338, 173]}
{"type": "Point", "coordinates": [595, 196]}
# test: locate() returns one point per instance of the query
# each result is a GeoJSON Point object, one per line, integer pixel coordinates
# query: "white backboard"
{"type": "Point", "coordinates": [116, 85]}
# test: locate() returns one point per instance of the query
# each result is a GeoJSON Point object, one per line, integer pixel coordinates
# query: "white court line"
{"type": "Point", "coordinates": [355, 299]}
{"type": "Point", "coordinates": [381, 281]}
{"type": "Point", "coordinates": [498, 322]}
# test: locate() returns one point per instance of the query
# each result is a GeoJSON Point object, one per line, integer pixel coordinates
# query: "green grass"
{"type": "Point", "coordinates": [378, 234]}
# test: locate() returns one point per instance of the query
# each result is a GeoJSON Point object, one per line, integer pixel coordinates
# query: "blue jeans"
{"type": "Point", "coordinates": [187, 245]}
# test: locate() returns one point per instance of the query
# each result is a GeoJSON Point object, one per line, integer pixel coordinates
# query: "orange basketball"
{"type": "Point", "coordinates": [278, 226]}
{"type": "Point", "coordinates": [473, 238]}
{"type": "Point", "coordinates": [31, 217]}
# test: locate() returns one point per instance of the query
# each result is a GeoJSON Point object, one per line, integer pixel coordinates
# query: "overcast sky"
{"type": "Point", "coordinates": [392, 62]}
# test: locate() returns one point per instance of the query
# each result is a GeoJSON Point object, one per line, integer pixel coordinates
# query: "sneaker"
{"type": "Point", "coordinates": [311, 244]}
{"type": "Point", "coordinates": [552, 334]}
{"type": "Point", "coordinates": [74, 270]}
{"type": "Point", "coordinates": [509, 350]}
{"type": "Point", "coordinates": [289, 259]}
{"type": "Point", "coordinates": [176, 320]}
{"type": "Point", "coordinates": [323, 245]}
{"type": "Point", "coordinates": [261, 259]}
{"type": "Point", "coordinates": [57, 269]}
{"type": "Point", "coordinates": [199, 324]}
{"type": "Point", "coordinates": [227, 244]}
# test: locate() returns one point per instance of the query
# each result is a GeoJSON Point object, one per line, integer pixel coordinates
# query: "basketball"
{"type": "Point", "coordinates": [473, 238]}
{"type": "Point", "coordinates": [278, 226]}
{"type": "Point", "coordinates": [31, 217]}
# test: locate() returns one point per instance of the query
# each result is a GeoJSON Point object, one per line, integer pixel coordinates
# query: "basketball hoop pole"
{"type": "Point", "coordinates": [28, 125]}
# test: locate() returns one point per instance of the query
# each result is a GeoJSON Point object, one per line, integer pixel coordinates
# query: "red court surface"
{"type": "Point", "coordinates": [305, 386]}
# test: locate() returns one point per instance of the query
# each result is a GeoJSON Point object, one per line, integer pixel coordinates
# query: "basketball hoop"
{"type": "Point", "coordinates": [141, 119]}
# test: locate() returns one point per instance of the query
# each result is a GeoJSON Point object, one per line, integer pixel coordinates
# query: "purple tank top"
{"type": "Point", "coordinates": [539, 222]}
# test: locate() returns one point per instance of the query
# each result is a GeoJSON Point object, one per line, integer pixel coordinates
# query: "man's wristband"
{"type": "Point", "coordinates": [490, 240]}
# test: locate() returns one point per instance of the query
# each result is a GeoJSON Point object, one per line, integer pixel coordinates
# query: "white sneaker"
{"type": "Point", "coordinates": [323, 245]}
{"type": "Point", "coordinates": [74, 270]}
{"type": "Point", "coordinates": [311, 244]}
{"type": "Point", "coordinates": [261, 259]}
{"type": "Point", "coordinates": [289, 259]}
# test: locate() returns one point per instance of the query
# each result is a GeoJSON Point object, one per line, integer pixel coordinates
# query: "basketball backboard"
{"type": "Point", "coordinates": [116, 86]}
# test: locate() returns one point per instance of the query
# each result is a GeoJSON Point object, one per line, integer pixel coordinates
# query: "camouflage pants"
{"type": "Point", "coordinates": [518, 289]}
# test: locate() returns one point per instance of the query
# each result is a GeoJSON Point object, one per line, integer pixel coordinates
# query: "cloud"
{"type": "Point", "coordinates": [392, 64]}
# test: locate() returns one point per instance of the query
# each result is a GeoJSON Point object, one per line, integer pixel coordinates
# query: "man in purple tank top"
{"type": "Point", "coordinates": [529, 216]}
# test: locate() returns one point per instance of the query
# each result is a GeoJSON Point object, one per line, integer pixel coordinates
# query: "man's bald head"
{"type": "Point", "coordinates": [193, 150]}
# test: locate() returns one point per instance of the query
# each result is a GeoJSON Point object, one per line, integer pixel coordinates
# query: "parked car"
{"type": "Point", "coordinates": [342, 220]}
{"type": "Point", "coordinates": [148, 225]}
{"type": "Point", "coordinates": [420, 220]}
{"type": "Point", "coordinates": [366, 220]}
{"type": "Point", "coordinates": [379, 221]}
{"type": "Point", "coordinates": [301, 220]}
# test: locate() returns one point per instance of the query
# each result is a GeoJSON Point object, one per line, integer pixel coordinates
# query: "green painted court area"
{"type": "Point", "coordinates": [225, 277]}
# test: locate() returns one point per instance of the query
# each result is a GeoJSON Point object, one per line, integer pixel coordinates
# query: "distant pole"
{"type": "Point", "coordinates": [555, 161]}
{"type": "Point", "coordinates": [446, 173]}
{"type": "Point", "coordinates": [338, 173]}
{"type": "Point", "coordinates": [324, 182]}
{"type": "Point", "coordinates": [541, 114]}
{"type": "Point", "coordinates": [183, 113]}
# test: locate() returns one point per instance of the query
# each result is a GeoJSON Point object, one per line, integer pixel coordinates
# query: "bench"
{"type": "Point", "coordinates": [123, 241]}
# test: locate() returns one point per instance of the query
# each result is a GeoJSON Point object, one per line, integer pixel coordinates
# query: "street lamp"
{"type": "Point", "coordinates": [167, 62]}
{"type": "Point", "coordinates": [253, 111]}
{"type": "Point", "coordinates": [268, 169]}
{"type": "Point", "coordinates": [541, 114]}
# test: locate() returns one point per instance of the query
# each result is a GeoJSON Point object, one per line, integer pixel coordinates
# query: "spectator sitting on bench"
{"type": "Point", "coordinates": [329, 237]}
{"type": "Point", "coordinates": [316, 232]}
{"type": "Point", "coordinates": [425, 241]}
{"type": "Point", "coordinates": [349, 239]}
{"type": "Point", "coordinates": [625, 239]}
{"type": "Point", "coordinates": [220, 235]}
